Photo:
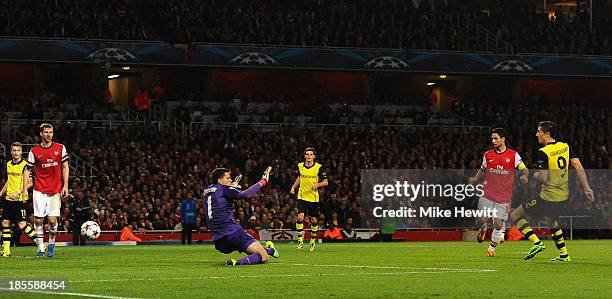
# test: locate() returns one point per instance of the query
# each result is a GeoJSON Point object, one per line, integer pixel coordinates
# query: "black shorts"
{"type": "Point", "coordinates": [539, 208]}
{"type": "Point", "coordinates": [14, 211]}
{"type": "Point", "coordinates": [308, 208]}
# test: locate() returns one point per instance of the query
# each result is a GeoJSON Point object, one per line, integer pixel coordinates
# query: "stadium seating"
{"type": "Point", "coordinates": [443, 25]}
{"type": "Point", "coordinates": [149, 169]}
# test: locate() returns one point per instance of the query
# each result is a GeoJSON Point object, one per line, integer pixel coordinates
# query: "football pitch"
{"type": "Point", "coordinates": [341, 270]}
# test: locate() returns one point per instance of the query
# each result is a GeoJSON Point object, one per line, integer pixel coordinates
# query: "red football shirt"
{"type": "Point", "coordinates": [499, 178]}
{"type": "Point", "coordinates": [47, 163]}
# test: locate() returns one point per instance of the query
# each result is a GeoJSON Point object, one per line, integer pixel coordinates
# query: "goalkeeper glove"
{"type": "Point", "coordinates": [236, 182]}
{"type": "Point", "coordinates": [266, 175]}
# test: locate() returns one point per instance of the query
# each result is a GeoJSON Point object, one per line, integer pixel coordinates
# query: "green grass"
{"type": "Point", "coordinates": [357, 270]}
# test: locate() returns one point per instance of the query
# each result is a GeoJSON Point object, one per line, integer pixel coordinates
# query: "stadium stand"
{"type": "Point", "coordinates": [498, 26]}
{"type": "Point", "coordinates": [148, 169]}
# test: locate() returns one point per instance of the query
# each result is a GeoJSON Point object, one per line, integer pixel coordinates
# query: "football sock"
{"type": "Point", "coordinates": [495, 238]}
{"type": "Point", "coordinates": [40, 233]}
{"type": "Point", "coordinates": [6, 239]}
{"type": "Point", "coordinates": [526, 230]}
{"type": "Point", "coordinates": [299, 226]}
{"type": "Point", "coordinates": [252, 259]}
{"type": "Point", "coordinates": [557, 236]}
{"type": "Point", "coordinates": [313, 232]}
{"type": "Point", "coordinates": [52, 233]}
{"type": "Point", "coordinates": [29, 231]}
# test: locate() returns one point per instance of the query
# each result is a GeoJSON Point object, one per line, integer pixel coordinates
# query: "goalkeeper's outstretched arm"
{"type": "Point", "coordinates": [251, 191]}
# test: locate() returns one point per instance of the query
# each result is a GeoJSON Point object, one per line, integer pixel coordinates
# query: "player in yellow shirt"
{"type": "Point", "coordinates": [311, 177]}
{"type": "Point", "coordinates": [553, 162]}
{"type": "Point", "coordinates": [14, 204]}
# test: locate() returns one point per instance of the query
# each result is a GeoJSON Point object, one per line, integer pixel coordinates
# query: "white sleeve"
{"type": "Point", "coordinates": [517, 160]}
{"type": "Point", "coordinates": [484, 162]}
{"type": "Point", "coordinates": [64, 154]}
{"type": "Point", "coordinates": [31, 160]}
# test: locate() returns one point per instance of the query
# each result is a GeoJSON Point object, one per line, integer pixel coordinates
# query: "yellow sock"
{"type": "Point", "coordinates": [30, 232]}
{"type": "Point", "coordinates": [527, 231]}
{"type": "Point", "coordinates": [557, 236]}
{"type": "Point", "coordinates": [6, 240]}
{"type": "Point", "coordinates": [299, 226]}
{"type": "Point", "coordinates": [313, 232]}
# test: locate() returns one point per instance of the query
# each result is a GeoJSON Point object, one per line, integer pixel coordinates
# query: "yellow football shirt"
{"type": "Point", "coordinates": [555, 157]}
{"type": "Point", "coordinates": [308, 177]}
{"type": "Point", "coordinates": [14, 173]}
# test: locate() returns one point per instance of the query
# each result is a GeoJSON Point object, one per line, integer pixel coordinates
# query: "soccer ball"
{"type": "Point", "coordinates": [90, 230]}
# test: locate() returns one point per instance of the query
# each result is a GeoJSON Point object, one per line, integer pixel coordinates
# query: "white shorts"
{"type": "Point", "coordinates": [46, 204]}
{"type": "Point", "coordinates": [501, 209]}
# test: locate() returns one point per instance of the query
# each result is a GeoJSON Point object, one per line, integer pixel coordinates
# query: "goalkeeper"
{"type": "Point", "coordinates": [228, 236]}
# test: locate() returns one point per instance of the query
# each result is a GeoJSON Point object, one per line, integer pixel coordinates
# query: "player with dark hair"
{"type": "Point", "coordinates": [498, 165]}
{"type": "Point", "coordinates": [553, 162]}
{"type": "Point", "coordinates": [310, 178]}
{"type": "Point", "coordinates": [228, 236]}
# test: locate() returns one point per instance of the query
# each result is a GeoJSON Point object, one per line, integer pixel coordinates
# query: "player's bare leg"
{"type": "Point", "coordinates": [256, 255]}
{"type": "Point", "coordinates": [40, 233]}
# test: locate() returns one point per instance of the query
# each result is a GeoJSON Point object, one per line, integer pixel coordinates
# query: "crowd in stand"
{"type": "Point", "coordinates": [431, 25]}
{"type": "Point", "coordinates": [566, 33]}
{"type": "Point", "coordinates": [585, 127]}
{"type": "Point", "coordinates": [145, 172]}
{"type": "Point", "coordinates": [114, 19]}
{"type": "Point", "coordinates": [335, 111]}
{"type": "Point", "coordinates": [51, 106]}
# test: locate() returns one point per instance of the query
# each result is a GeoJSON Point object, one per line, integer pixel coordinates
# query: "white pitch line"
{"type": "Point", "coordinates": [401, 246]}
{"type": "Point", "coordinates": [387, 267]}
{"type": "Point", "coordinates": [415, 270]}
{"type": "Point", "coordinates": [134, 279]}
{"type": "Point", "coordinates": [67, 294]}
{"type": "Point", "coordinates": [285, 275]}
{"type": "Point", "coordinates": [339, 274]}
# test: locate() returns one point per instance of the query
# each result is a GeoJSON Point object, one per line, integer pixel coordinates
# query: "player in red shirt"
{"type": "Point", "coordinates": [497, 167]}
{"type": "Point", "coordinates": [50, 163]}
